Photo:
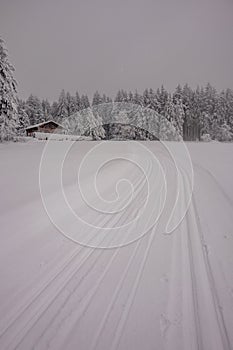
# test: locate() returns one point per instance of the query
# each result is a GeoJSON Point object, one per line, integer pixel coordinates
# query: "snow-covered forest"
{"type": "Point", "coordinates": [116, 163]}
{"type": "Point", "coordinates": [202, 113]}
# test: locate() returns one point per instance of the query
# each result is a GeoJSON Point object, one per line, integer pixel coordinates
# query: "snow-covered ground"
{"type": "Point", "coordinates": [86, 261]}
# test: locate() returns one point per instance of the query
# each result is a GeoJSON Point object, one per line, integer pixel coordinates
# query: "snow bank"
{"type": "Point", "coordinates": [60, 137]}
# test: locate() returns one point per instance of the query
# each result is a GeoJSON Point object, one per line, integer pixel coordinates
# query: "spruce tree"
{"type": "Point", "coordinates": [97, 99]}
{"type": "Point", "coordinates": [46, 109]}
{"type": "Point", "coordinates": [54, 110]}
{"type": "Point", "coordinates": [85, 102]}
{"type": "Point", "coordinates": [34, 110]}
{"type": "Point", "coordinates": [9, 121]}
{"type": "Point", "coordinates": [62, 110]}
{"type": "Point", "coordinates": [24, 121]}
{"type": "Point", "coordinates": [77, 101]}
{"type": "Point", "coordinates": [70, 104]}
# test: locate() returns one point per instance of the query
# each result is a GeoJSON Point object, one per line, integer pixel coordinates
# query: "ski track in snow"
{"type": "Point", "coordinates": [205, 296]}
{"type": "Point", "coordinates": [36, 314]}
{"type": "Point", "coordinates": [56, 308]}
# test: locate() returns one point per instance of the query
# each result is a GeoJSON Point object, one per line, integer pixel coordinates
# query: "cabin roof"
{"type": "Point", "coordinates": [43, 123]}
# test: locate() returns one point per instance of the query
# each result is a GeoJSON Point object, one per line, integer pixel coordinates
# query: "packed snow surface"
{"type": "Point", "coordinates": [86, 260]}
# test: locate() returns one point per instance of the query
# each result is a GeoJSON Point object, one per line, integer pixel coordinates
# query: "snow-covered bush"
{"type": "Point", "coordinates": [206, 138]}
{"type": "Point", "coordinates": [224, 133]}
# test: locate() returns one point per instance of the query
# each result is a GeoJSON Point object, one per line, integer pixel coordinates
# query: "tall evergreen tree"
{"type": "Point", "coordinates": [138, 99]}
{"type": "Point", "coordinates": [54, 110]}
{"type": "Point", "coordinates": [8, 102]}
{"type": "Point", "coordinates": [85, 102]}
{"type": "Point", "coordinates": [34, 110]}
{"type": "Point", "coordinates": [24, 121]}
{"type": "Point", "coordinates": [97, 99]}
{"type": "Point", "coordinates": [169, 111]}
{"type": "Point", "coordinates": [77, 101]}
{"type": "Point", "coordinates": [71, 104]}
{"type": "Point", "coordinates": [62, 110]}
{"type": "Point", "coordinates": [179, 116]}
{"type": "Point", "coordinates": [46, 108]}
{"type": "Point", "coordinates": [162, 97]}
{"type": "Point", "coordinates": [121, 96]}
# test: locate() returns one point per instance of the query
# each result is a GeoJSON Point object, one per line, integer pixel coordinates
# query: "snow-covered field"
{"type": "Point", "coordinates": [86, 260]}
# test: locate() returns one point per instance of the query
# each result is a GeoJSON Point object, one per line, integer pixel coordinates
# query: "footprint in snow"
{"type": "Point", "coordinates": [165, 323]}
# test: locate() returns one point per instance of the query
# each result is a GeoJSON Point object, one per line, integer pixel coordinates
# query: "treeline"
{"type": "Point", "coordinates": [201, 113]}
{"type": "Point", "coordinates": [196, 113]}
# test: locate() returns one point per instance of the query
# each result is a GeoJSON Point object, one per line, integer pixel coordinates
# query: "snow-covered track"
{"type": "Point", "coordinates": [158, 291]}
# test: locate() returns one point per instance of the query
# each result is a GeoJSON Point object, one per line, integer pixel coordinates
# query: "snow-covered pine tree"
{"type": "Point", "coordinates": [70, 104]}
{"type": "Point", "coordinates": [34, 110]}
{"type": "Point", "coordinates": [118, 97]}
{"type": "Point", "coordinates": [169, 111]}
{"type": "Point", "coordinates": [77, 101]}
{"type": "Point", "coordinates": [46, 108]}
{"type": "Point", "coordinates": [9, 121]}
{"type": "Point", "coordinates": [146, 98]}
{"type": "Point", "coordinates": [205, 123]}
{"type": "Point", "coordinates": [98, 133]}
{"type": "Point", "coordinates": [108, 99]}
{"type": "Point", "coordinates": [121, 96]}
{"type": "Point", "coordinates": [85, 102]}
{"type": "Point", "coordinates": [177, 95]}
{"type": "Point", "coordinates": [196, 114]}
{"type": "Point", "coordinates": [79, 123]}
{"type": "Point", "coordinates": [130, 97]}
{"type": "Point", "coordinates": [138, 99]}
{"type": "Point", "coordinates": [153, 101]}
{"type": "Point", "coordinates": [187, 100]}
{"type": "Point", "coordinates": [224, 133]}
{"type": "Point", "coordinates": [167, 131]}
{"type": "Point", "coordinates": [215, 126]}
{"type": "Point", "coordinates": [89, 125]}
{"type": "Point", "coordinates": [24, 121]}
{"type": "Point", "coordinates": [139, 123]}
{"type": "Point", "coordinates": [54, 109]}
{"type": "Point", "coordinates": [162, 97]}
{"type": "Point", "coordinates": [179, 116]}
{"type": "Point", "coordinates": [210, 96]}
{"type": "Point", "coordinates": [97, 99]}
{"type": "Point", "coordinates": [62, 111]}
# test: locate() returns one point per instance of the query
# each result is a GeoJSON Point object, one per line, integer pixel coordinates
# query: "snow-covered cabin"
{"type": "Point", "coordinates": [50, 126]}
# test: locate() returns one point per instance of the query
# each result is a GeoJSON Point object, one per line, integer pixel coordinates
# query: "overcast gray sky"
{"type": "Point", "coordinates": [86, 45]}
